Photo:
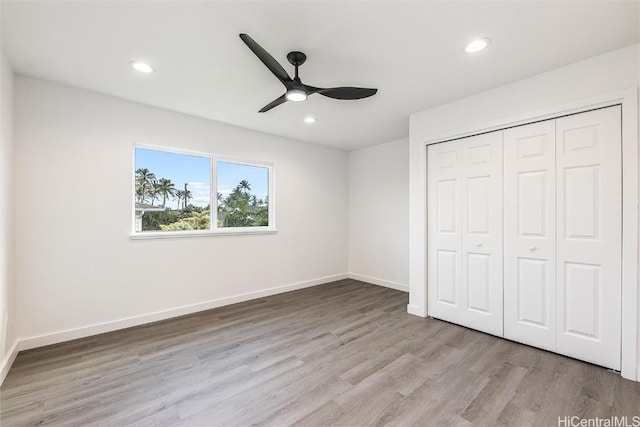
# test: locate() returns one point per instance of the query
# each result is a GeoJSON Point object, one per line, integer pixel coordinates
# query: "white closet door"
{"type": "Point", "coordinates": [589, 226]}
{"type": "Point", "coordinates": [482, 232]}
{"type": "Point", "coordinates": [444, 232]}
{"type": "Point", "coordinates": [529, 234]}
{"type": "Point", "coordinates": [464, 253]}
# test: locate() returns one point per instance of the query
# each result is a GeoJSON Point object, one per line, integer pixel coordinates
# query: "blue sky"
{"type": "Point", "coordinates": [196, 170]}
{"type": "Point", "coordinates": [230, 174]}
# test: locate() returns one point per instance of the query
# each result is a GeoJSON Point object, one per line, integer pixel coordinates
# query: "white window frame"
{"type": "Point", "coordinates": [214, 230]}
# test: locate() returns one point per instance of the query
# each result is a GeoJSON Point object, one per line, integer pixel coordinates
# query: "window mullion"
{"type": "Point", "coordinates": [213, 213]}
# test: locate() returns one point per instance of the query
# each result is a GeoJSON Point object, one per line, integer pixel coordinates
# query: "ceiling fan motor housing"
{"type": "Point", "coordinates": [296, 58]}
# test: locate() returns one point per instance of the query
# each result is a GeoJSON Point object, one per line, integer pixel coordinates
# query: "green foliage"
{"type": "Point", "coordinates": [239, 209]}
{"type": "Point", "coordinates": [151, 221]}
{"type": "Point", "coordinates": [197, 221]}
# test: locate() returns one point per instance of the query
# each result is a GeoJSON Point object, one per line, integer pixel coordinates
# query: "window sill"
{"type": "Point", "coordinates": [204, 233]}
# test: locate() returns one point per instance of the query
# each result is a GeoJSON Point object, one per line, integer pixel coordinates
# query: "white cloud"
{"type": "Point", "coordinates": [201, 193]}
{"type": "Point", "coordinates": [225, 190]}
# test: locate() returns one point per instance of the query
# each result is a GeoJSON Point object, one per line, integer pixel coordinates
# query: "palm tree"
{"type": "Point", "coordinates": [186, 195]}
{"type": "Point", "coordinates": [236, 193]}
{"type": "Point", "coordinates": [244, 186]}
{"type": "Point", "coordinates": [179, 195]}
{"type": "Point", "coordinates": [165, 188]}
{"type": "Point", "coordinates": [153, 192]}
{"type": "Point", "coordinates": [144, 183]}
{"type": "Point", "coordinates": [220, 201]}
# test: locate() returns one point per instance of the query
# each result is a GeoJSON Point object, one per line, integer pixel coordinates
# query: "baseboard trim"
{"type": "Point", "coordinates": [379, 282]}
{"type": "Point", "coordinates": [100, 328]}
{"type": "Point", "coordinates": [416, 311]}
{"type": "Point", "coordinates": [8, 361]}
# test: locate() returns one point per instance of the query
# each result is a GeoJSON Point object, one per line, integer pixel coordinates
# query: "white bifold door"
{"type": "Point", "coordinates": [465, 232]}
{"type": "Point", "coordinates": [530, 234]}
{"type": "Point", "coordinates": [589, 236]}
{"type": "Point", "coordinates": [562, 235]}
{"type": "Point", "coordinates": [559, 264]}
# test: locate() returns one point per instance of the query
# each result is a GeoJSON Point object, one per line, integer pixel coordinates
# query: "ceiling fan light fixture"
{"type": "Point", "coordinates": [142, 67]}
{"type": "Point", "coordinates": [477, 45]}
{"type": "Point", "coordinates": [296, 95]}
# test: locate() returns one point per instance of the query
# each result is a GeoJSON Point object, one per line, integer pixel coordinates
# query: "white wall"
{"type": "Point", "coordinates": [7, 284]}
{"type": "Point", "coordinates": [379, 214]}
{"type": "Point", "coordinates": [599, 75]}
{"type": "Point", "coordinates": [77, 270]}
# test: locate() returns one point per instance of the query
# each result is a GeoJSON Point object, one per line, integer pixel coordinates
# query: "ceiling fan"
{"type": "Point", "coordinates": [296, 90]}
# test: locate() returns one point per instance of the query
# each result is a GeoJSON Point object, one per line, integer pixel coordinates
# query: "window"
{"type": "Point", "coordinates": [173, 194]}
{"type": "Point", "coordinates": [243, 195]}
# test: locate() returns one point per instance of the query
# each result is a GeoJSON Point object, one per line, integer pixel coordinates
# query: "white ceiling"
{"type": "Point", "coordinates": [411, 51]}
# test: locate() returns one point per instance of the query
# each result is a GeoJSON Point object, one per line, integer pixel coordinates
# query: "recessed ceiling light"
{"type": "Point", "coordinates": [143, 67]}
{"type": "Point", "coordinates": [296, 95]}
{"type": "Point", "coordinates": [309, 119]}
{"type": "Point", "coordinates": [477, 45]}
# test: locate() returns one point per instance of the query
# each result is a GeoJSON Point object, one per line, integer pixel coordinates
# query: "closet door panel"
{"type": "Point", "coordinates": [482, 232]}
{"type": "Point", "coordinates": [529, 234]}
{"type": "Point", "coordinates": [444, 232]}
{"type": "Point", "coordinates": [589, 227]}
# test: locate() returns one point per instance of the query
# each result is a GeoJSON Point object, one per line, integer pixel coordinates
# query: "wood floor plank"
{"type": "Point", "coordinates": [343, 354]}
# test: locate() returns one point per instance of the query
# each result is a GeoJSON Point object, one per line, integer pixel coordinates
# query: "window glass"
{"type": "Point", "coordinates": [172, 191]}
{"type": "Point", "coordinates": [242, 195]}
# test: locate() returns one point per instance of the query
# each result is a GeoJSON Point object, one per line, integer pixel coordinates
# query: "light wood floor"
{"type": "Point", "coordinates": [343, 354]}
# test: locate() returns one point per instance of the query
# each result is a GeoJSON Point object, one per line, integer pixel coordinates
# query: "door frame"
{"type": "Point", "coordinates": [628, 99]}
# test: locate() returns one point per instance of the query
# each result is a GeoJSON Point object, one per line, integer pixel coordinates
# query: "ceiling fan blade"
{"type": "Point", "coordinates": [266, 59]}
{"type": "Point", "coordinates": [347, 92]}
{"type": "Point", "coordinates": [273, 104]}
